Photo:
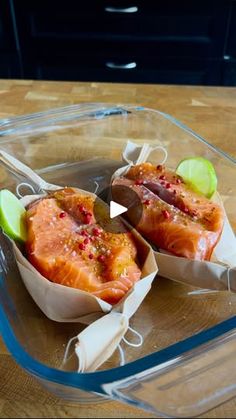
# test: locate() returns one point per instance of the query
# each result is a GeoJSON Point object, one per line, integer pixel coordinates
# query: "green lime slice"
{"type": "Point", "coordinates": [200, 174]}
{"type": "Point", "coordinates": [12, 215]}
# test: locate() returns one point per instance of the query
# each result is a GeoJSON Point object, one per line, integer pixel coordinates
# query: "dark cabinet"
{"type": "Point", "coordinates": [10, 66]}
{"type": "Point", "coordinates": [142, 41]}
{"type": "Point", "coordinates": [184, 28]}
{"type": "Point", "coordinates": [230, 51]}
{"type": "Point", "coordinates": [131, 67]}
{"type": "Point", "coordinates": [229, 72]}
{"type": "Point", "coordinates": [7, 41]}
{"type": "Point", "coordinates": [9, 60]}
{"type": "Point", "coordinates": [229, 63]}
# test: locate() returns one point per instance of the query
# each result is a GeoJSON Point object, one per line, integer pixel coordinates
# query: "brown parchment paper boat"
{"type": "Point", "coordinates": [217, 274]}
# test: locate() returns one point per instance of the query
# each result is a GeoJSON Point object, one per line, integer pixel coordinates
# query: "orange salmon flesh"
{"type": "Point", "coordinates": [67, 247]}
{"type": "Point", "coordinates": [175, 218]}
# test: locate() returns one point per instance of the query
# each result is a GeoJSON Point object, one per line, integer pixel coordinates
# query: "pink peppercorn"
{"type": "Point", "coordinates": [168, 185]}
{"type": "Point", "coordinates": [139, 182]}
{"type": "Point", "coordinates": [91, 256]}
{"type": "Point", "coordinates": [84, 233]}
{"type": "Point", "coordinates": [166, 214]}
{"type": "Point", "coordinates": [101, 258]}
{"type": "Point", "coordinates": [86, 240]}
{"type": "Point", "coordinates": [162, 177]}
{"type": "Point", "coordinates": [87, 218]}
{"type": "Point", "coordinates": [82, 246]}
{"type": "Point", "coordinates": [62, 214]}
{"type": "Point", "coordinates": [147, 202]}
{"type": "Point", "coordinates": [96, 232]}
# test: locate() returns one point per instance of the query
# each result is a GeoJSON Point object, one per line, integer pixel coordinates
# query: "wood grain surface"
{"type": "Point", "coordinates": [209, 111]}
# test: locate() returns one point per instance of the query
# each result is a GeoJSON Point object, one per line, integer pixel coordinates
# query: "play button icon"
{"type": "Point", "coordinates": [121, 201]}
{"type": "Point", "coordinates": [116, 209]}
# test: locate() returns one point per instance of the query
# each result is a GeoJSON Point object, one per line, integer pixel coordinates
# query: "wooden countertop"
{"type": "Point", "coordinates": [210, 111]}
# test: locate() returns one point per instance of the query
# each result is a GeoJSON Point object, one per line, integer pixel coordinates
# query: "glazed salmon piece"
{"type": "Point", "coordinates": [120, 264]}
{"type": "Point", "coordinates": [71, 200]}
{"type": "Point", "coordinates": [78, 205]}
{"type": "Point", "coordinates": [48, 232]}
{"type": "Point", "coordinates": [172, 189]}
{"type": "Point", "coordinates": [79, 255]}
{"type": "Point", "coordinates": [174, 218]}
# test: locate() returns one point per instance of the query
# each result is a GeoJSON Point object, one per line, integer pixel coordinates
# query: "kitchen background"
{"type": "Point", "coordinates": [142, 41]}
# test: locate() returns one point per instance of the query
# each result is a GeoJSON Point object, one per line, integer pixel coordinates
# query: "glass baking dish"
{"type": "Point", "coordinates": [185, 365]}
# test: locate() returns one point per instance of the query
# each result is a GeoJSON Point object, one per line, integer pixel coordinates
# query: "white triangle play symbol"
{"type": "Point", "coordinates": [116, 209]}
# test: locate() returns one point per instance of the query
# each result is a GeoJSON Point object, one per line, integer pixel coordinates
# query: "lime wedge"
{"type": "Point", "coordinates": [12, 216]}
{"type": "Point", "coordinates": [200, 174]}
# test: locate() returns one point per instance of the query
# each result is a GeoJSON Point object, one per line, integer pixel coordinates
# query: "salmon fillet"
{"type": "Point", "coordinates": [174, 218]}
{"type": "Point", "coordinates": [76, 252]}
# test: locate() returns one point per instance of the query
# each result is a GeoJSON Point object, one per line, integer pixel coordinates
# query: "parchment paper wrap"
{"type": "Point", "coordinates": [217, 274]}
{"type": "Point", "coordinates": [98, 341]}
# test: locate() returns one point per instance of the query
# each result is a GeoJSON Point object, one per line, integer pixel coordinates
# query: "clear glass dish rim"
{"type": "Point", "coordinates": [94, 110]}
{"type": "Point", "coordinates": [94, 381]}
